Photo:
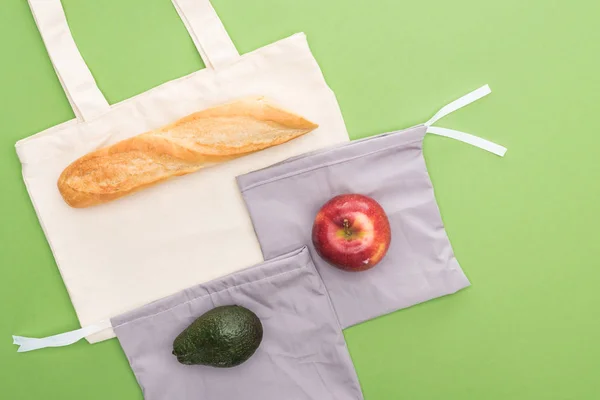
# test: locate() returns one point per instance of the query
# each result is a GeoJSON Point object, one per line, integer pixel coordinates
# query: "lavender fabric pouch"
{"type": "Point", "coordinates": [420, 265]}
{"type": "Point", "coordinates": [302, 356]}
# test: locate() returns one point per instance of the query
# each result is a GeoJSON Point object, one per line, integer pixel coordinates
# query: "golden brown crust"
{"type": "Point", "coordinates": [193, 142]}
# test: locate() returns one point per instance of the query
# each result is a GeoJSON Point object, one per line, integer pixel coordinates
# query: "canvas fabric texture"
{"type": "Point", "coordinates": [122, 255]}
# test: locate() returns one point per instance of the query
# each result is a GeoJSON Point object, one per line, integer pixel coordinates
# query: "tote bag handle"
{"type": "Point", "coordinates": [86, 99]}
{"type": "Point", "coordinates": [207, 32]}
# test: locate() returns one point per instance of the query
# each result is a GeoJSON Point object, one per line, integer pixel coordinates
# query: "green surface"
{"type": "Point", "coordinates": [525, 228]}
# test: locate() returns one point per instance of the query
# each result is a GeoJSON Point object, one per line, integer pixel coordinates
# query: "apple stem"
{"type": "Point", "coordinates": [347, 228]}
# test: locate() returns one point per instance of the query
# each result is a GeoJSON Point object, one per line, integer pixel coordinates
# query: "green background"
{"type": "Point", "coordinates": [525, 227]}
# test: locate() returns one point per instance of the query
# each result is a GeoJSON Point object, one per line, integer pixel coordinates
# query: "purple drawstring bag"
{"type": "Point", "coordinates": [420, 265]}
{"type": "Point", "coordinates": [303, 354]}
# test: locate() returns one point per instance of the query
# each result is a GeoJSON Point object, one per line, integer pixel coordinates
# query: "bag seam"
{"type": "Point", "coordinates": [298, 269]}
{"type": "Point", "coordinates": [324, 165]}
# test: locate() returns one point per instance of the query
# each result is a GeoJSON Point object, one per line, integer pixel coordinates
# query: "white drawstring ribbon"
{"type": "Point", "coordinates": [63, 339]}
{"type": "Point", "coordinates": [462, 136]}
{"type": "Point", "coordinates": [470, 139]}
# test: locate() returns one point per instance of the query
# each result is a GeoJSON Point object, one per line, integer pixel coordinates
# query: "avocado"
{"type": "Point", "coordinates": [223, 337]}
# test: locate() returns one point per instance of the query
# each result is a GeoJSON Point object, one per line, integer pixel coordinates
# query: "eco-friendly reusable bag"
{"type": "Point", "coordinates": [303, 355]}
{"type": "Point", "coordinates": [118, 256]}
{"type": "Point", "coordinates": [284, 199]}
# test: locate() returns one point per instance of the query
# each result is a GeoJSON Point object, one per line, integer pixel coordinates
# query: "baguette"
{"type": "Point", "coordinates": [197, 141]}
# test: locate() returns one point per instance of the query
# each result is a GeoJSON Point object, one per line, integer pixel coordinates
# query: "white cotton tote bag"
{"type": "Point", "coordinates": [121, 255]}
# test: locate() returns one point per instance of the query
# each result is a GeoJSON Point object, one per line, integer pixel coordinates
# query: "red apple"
{"type": "Point", "coordinates": [352, 232]}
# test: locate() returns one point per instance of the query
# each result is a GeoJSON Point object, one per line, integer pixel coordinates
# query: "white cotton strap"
{"type": "Point", "coordinates": [63, 339]}
{"type": "Point", "coordinates": [460, 103]}
{"type": "Point", "coordinates": [468, 138]}
{"type": "Point", "coordinates": [207, 32]}
{"type": "Point", "coordinates": [462, 136]}
{"type": "Point", "coordinates": [75, 77]}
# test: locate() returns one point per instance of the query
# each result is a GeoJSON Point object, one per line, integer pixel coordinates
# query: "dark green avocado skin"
{"type": "Point", "coordinates": [224, 337]}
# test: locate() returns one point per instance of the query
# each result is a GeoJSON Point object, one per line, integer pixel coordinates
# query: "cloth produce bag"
{"type": "Point", "coordinates": [284, 199]}
{"type": "Point", "coordinates": [121, 255]}
{"type": "Point", "coordinates": [303, 354]}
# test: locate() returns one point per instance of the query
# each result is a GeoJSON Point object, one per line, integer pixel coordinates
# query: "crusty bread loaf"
{"type": "Point", "coordinates": [199, 140]}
